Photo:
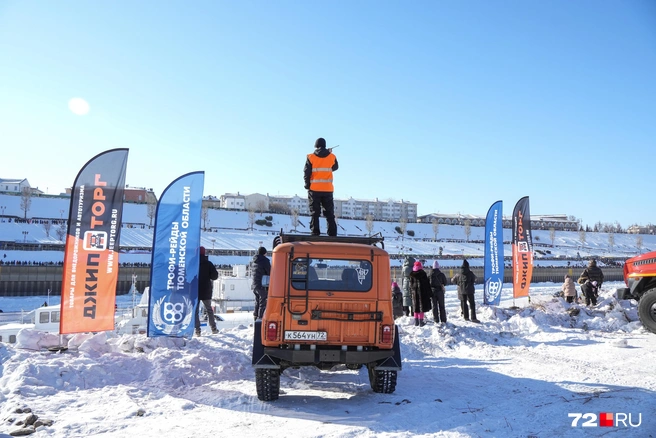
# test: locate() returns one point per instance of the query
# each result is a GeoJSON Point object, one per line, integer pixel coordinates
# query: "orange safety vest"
{"type": "Point", "coordinates": [321, 179]}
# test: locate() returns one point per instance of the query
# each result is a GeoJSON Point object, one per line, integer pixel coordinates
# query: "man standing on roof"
{"type": "Point", "coordinates": [318, 175]}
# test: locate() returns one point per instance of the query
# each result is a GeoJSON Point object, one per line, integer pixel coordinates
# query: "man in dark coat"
{"type": "Point", "coordinates": [438, 286]}
{"type": "Point", "coordinates": [465, 281]}
{"type": "Point", "coordinates": [261, 268]}
{"type": "Point", "coordinates": [591, 274]}
{"type": "Point", "coordinates": [318, 176]}
{"type": "Point", "coordinates": [397, 301]}
{"type": "Point", "coordinates": [408, 264]}
{"type": "Point", "coordinates": [421, 292]}
{"type": "Point", "coordinates": [206, 274]}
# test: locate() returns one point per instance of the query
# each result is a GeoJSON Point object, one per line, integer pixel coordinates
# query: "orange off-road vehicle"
{"type": "Point", "coordinates": [329, 304]}
{"type": "Point", "coordinates": [640, 277]}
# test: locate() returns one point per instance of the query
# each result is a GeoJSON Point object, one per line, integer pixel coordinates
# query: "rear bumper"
{"type": "Point", "coordinates": [268, 357]}
{"type": "Point", "coordinates": [317, 356]}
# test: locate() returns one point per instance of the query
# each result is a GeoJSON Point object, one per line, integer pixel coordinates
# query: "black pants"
{"type": "Point", "coordinates": [590, 294]}
{"type": "Point", "coordinates": [261, 295]}
{"type": "Point", "coordinates": [319, 200]}
{"type": "Point", "coordinates": [465, 310]}
{"type": "Point", "coordinates": [439, 311]}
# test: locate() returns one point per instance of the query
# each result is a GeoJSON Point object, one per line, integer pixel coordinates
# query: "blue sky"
{"type": "Point", "coordinates": [449, 104]}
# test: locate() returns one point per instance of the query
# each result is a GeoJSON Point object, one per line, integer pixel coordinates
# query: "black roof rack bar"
{"type": "Point", "coordinates": [286, 238]}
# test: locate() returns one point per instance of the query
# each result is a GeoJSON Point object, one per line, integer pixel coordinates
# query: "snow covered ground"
{"type": "Point", "coordinates": [521, 373]}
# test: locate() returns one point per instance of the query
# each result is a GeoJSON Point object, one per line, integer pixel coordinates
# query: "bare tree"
{"type": "Point", "coordinates": [46, 226]}
{"type": "Point", "coordinates": [436, 228]}
{"type": "Point", "coordinates": [204, 215]}
{"type": "Point", "coordinates": [467, 225]}
{"type": "Point", "coordinates": [294, 217]}
{"type": "Point", "coordinates": [251, 218]}
{"type": "Point", "coordinates": [618, 227]}
{"type": "Point", "coordinates": [26, 201]}
{"type": "Point", "coordinates": [61, 231]}
{"type": "Point", "coordinates": [552, 235]}
{"type": "Point", "coordinates": [611, 240]}
{"type": "Point", "coordinates": [369, 223]}
{"type": "Point", "coordinates": [276, 207]}
{"type": "Point", "coordinates": [639, 243]}
{"type": "Point", "coordinates": [403, 225]}
{"type": "Point", "coordinates": [260, 206]}
{"type": "Point", "coordinates": [582, 237]}
{"type": "Point", "coordinates": [151, 209]}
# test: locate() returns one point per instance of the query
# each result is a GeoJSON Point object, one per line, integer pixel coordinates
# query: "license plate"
{"type": "Point", "coordinates": [305, 336]}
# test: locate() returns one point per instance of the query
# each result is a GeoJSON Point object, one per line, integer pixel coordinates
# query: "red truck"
{"type": "Point", "coordinates": [640, 279]}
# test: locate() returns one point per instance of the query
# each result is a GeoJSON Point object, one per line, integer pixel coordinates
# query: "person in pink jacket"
{"type": "Point", "coordinates": [569, 289]}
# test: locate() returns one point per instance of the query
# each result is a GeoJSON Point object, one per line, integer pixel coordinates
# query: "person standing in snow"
{"type": "Point", "coordinates": [465, 281]}
{"type": "Point", "coordinates": [397, 301]}
{"type": "Point", "coordinates": [438, 286]}
{"type": "Point", "coordinates": [261, 268]}
{"type": "Point", "coordinates": [421, 293]}
{"type": "Point", "coordinates": [318, 175]}
{"type": "Point", "coordinates": [408, 263]}
{"type": "Point", "coordinates": [206, 274]}
{"type": "Point", "coordinates": [591, 274]}
{"type": "Point", "coordinates": [569, 289]}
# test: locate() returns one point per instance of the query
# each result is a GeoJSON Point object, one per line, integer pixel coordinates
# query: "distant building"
{"type": "Point", "coordinates": [211, 202]}
{"type": "Point", "coordinates": [389, 210]}
{"type": "Point", "coordinates": [637, 229]}
{"type": "Point", "coordinates": [291, 203]}
{"type": "Point", "coordinates": [139, 195]}
{"type": "Point", "coordinates": [559, 222]}
{"type": "Point", "coordinates": [232, 201]}
{"type": "Point", "coordinates": [9, 185]}
{"type": "Point", "coordinates": [256, 202]}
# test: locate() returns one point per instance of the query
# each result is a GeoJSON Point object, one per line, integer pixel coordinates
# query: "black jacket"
{"type": "Point", "coordinates": [206, 273]}
{"type": "Point", "coordinates": [307, 170]}
{"type": "Point", "coordinates": [437, 281]}
{"type": "Point", "coordinates": [261, 266]}
{"type": "Point", "coordinates": [421, 291]}
{"type": "Point", "coordinates": [592, 273]}
{"type": "Point", "coordinates": [465, 281]}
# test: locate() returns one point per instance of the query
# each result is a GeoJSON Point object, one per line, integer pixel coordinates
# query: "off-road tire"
{"type": "Point", "coordinates": [267, 382]}
{"type": "Point", "coordinates": [382, 381]}
{"type": "Point", "coordinates": [647, 310]}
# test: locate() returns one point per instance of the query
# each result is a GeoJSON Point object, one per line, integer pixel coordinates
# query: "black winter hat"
{"type": "Point", "coordinates": [320, 143]}
{"type": "Point", "coordinates": [261, 250]}
{"type": "Point", "coordinates": [465, 264]}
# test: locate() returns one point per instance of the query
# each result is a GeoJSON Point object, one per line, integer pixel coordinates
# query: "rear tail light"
{"type": "Point", "coordinates": [386, 334]}
{"type": "Point", "coordinates": [272, 331]}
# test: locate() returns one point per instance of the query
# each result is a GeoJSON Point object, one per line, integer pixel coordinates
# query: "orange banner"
{"type": "Point", "coordinates": [91, 255]}
{"type": "Point", "coordinates": [522, 248]}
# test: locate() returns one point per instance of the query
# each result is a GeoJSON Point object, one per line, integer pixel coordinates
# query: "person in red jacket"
{"type": "Point", "coordinates": [318, 175]}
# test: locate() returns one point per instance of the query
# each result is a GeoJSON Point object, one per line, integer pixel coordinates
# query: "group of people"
{"type": "Point", "coordinates": [424, 292]}
{"type": "Point", "coordinates": [590, 280]}
{"type": "Point", "coordinates": [261, 267]}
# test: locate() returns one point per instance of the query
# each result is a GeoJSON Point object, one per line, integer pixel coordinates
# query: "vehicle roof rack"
{"type": "Point", "coordinates": [286, 238]}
